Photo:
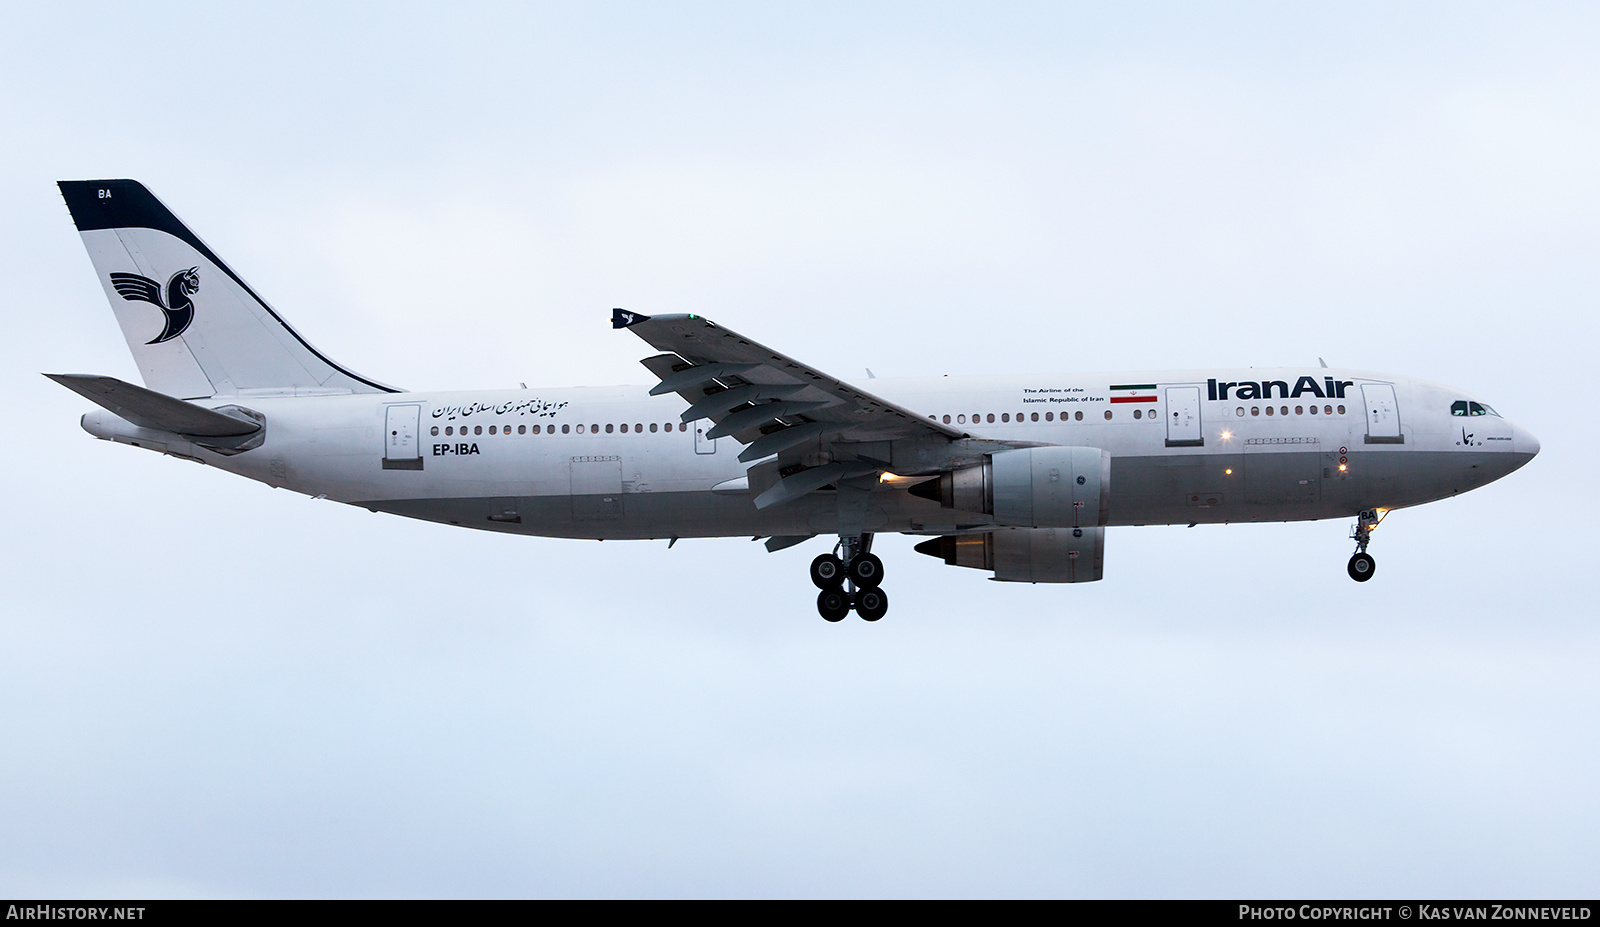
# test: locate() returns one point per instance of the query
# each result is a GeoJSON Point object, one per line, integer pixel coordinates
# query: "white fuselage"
{"type": "Point", "coordinates": [614, 462]}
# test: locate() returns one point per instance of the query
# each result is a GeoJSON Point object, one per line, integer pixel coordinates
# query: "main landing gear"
{"type": "Point", "coordinates": [849, 578]}
{"type": "Point", "coordinates": [1362, 565]}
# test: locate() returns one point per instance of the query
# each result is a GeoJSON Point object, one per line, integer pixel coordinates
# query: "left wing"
{"type": "Point", "coordinates": [822, 429]}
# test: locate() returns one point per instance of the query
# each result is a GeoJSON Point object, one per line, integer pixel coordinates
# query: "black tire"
{"type": "Point", "coordinates": [1361, 568]}
{"type": "Point", "coordinates": [833, 604]}
{"type": "Point", "coordinates": [827, 572]}
{"type": "Point", "coordinates": [872, 604]}
{"type": "Point", "coordinates": [867, 571]}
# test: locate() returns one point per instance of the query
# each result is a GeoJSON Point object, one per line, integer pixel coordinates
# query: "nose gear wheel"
{"type": "Point", "coordinates": [1362, 566]}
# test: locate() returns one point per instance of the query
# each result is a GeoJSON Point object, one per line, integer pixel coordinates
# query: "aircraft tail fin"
{"type": "Point", "coordinates": [195, 327]}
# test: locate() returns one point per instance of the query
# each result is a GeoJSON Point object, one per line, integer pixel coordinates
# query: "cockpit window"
{"type": "Point", "coordinates": [1463, 407]}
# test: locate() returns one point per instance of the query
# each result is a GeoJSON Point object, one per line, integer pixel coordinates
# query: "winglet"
{"type": "Point", "coordinates": [622, 319]}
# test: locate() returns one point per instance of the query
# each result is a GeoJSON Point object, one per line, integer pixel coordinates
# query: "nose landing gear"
{"type": "Point", "coordinates": [1362, 566]}
{"type": "Point", "coordinates": [858, 569]}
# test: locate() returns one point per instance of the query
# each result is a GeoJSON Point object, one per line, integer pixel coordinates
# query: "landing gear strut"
{"type": "Point", "coordinates": [849, 578]}
{"type": "Point", "coordinates": [1362, 565]}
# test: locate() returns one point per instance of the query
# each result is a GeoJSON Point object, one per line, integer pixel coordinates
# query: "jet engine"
{"type": "Point", "coordinates": [1026, 555]}
{"type": "Point", "coordinates": [1033, 487]}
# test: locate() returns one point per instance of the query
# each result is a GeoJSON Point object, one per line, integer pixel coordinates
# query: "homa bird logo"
{"type": "Point", "coordinates": [177, 306]}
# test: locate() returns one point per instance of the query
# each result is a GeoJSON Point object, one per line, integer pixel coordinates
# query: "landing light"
{"type": "Point", "coordinates": [1343, 468]}
{"type": "Point", "coordinates": [1227, 435]}
{"type": "Point", "coordinates": [1228, 472]}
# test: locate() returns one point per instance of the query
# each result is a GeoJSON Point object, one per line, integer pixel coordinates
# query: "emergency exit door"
{"type": "Point", "coordinates": [402, 450]}
{"type": "Point", "coordinates": [1183, 417]}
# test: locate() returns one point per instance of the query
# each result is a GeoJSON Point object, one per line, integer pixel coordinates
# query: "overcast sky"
{"type": "Point", "coordinates": [211, 688]}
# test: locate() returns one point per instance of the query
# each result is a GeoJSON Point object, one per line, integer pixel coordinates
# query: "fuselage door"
{"type": "Point", "coordinates": [401, 448]}
{"type": "Point", "coordinates": [1383, 414]}
{"type": "Point", "coordinates": [703, 444]}
{"type": "Point", "coordinates": [1183, 417]}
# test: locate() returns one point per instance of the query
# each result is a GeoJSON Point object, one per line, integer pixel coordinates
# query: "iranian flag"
{"type": "Point", "coordinates": [1135, 392]}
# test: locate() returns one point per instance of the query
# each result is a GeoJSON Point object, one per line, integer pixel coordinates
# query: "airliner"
{"type": "Point", "coordinates": [1014, 475]}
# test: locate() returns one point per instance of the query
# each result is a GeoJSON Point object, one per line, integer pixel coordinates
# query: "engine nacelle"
{"type": "Point", "coordinates": [1032, 487]}
{"type": "Point", "coordinates": [1027, 555]}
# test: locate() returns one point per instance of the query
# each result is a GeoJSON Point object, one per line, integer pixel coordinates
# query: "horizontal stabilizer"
{"type": "Point", "coordinates": [150, 409]}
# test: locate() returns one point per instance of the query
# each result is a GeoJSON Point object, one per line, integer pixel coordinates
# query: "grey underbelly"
{"type": "Point", "coordinates": [1178, 489]}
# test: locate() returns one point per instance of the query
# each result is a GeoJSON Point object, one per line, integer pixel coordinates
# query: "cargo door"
{"type": "Point", "coordinates": [596, 488]}
{"type": "Point", "coordinates": [401, 448]}
{"type": "Point", "coordinates": [1282, 471]}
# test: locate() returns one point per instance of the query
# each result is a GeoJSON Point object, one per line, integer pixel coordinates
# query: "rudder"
{"type": "Point", "coordinates": [195, 328]}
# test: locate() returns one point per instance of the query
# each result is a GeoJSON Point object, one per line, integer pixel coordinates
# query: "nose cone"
{"type": "Point", "coordinates": [1524, 446]}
